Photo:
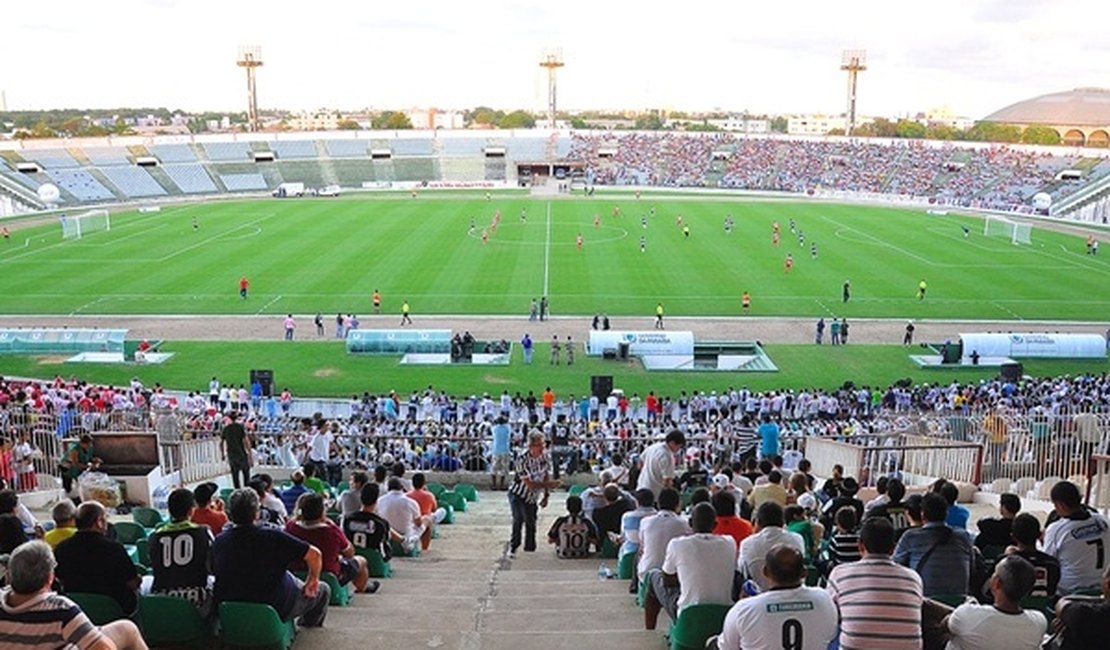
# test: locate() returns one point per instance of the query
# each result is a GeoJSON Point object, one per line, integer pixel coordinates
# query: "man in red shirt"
{"type": "Point", "coordinates": [244, 284]}
{"type": "Point", "coordinates": [210, 510]}
{"type": "Point", "coordinates": [337, 554]}
{"type": "Point", "coordinates": [428, 506]}
{"type": "Point", "coordinates": [728, 522]}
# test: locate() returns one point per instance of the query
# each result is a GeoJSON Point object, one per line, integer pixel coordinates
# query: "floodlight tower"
{"type": "Point", "coordinates": [854, 62]}
{"type": "Point", "coordinates": [552, 59]}
{"type": "Point", "coordinates": [250, 57]}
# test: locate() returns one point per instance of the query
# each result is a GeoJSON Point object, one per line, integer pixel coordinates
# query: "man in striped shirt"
{"type": "Point", "coordinates": [533, 475]}
{"type": "Point", "coordinates": [879, 600]}
{"type": "Point", "coordinates": [34, 617]}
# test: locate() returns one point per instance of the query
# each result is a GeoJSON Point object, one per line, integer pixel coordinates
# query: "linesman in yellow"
{"type": "Point", "coordinates": [659, 316]}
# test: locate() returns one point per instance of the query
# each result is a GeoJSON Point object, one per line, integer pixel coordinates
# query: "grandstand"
{"type": "Point", "coordinates": [105, 156]}
{"type": "Point", "coordinates": [53, 158]}
{"type": "Point", "coordinates": [243, 182]}
{"type": "Point", "coordinates": [346, 148]}
{"type": "Point", "coordinates": [190, 178]}
{"type": "Point", "coordinates": [411, 146]}
{"type": "Point", "coordinates": [133, 182]}
{"type": "Point", "coordinates": [227, 150]}
{"type": "Point", "coordinates": [289, 149]}
{"type": "Point", "coordinates": [81, 184]}
{"type": "Point", "coordinates": [173, 153]}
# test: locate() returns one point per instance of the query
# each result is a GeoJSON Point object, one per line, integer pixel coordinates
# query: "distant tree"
{"type": "Point", "coordinates": [391, 121]}
{"type": "Point", "coordinates": [994, 132]}
{"type": "Point", "coordinates": [649, 122]}
{"type": "Point", "coordinates": [483, 115]}
{"type": "Point", "coordinates": [347, 125]}
{"type": "Point", "coordinates": [701, 126]}
{"type": "Point", "coordinates": [1040, 135]}
{"type": "Point", "coordinates": [578, 123]}
{"type": "Point", "coordinates": [839, 132]}
{"type": "Point", "coordinates": [779, 124]}
{"type": "Point", "coordinates": [517, 120]}
{"type": "Point", "coordinates": [943, 132]}
{"type": "Point", "coordinates": [909, 129]}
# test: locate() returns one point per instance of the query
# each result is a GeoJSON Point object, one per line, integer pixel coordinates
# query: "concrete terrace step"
{"type": "Point", "coordinates": [464, 593]}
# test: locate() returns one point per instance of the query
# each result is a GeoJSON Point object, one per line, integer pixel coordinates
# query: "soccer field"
{"type": "Point", "coordinates": [328, 255]}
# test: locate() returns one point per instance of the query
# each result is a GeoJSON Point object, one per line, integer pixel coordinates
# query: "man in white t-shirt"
{"type": "Point", "coordinates": [319, 450]}
{"type": "Point", "coordinates": [403, 514]}
{"type": "Point", "coordinates": [1079, 539]}
{"type": "Point", "coordinates": [769, 532]}
{"type": "Point", "coordinates": [1004, 624]}
{"type": "Point", "coordinates": [658, 463]}
{"type": "Point", "coordinates": [697, 570]}
{"type": "Point", "coordinates": [787, 615]}
{"type": "Point", "coordinates": [656, 531]}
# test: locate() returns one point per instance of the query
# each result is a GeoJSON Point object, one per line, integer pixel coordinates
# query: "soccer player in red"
{"type": "Point", "coordinates": [789, 262]}
{"type": "Point", "coordinates": [578, 241]}
{"type": "Point", "coordinates": [244, 284]}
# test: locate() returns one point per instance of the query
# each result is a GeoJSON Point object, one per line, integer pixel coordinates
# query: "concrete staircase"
{"type": "Point", "coordinates": [466, 594]}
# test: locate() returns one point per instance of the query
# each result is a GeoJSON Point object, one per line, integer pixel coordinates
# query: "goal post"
{"type": "Point", "coordinates": [79, 225]}
{"type": "Point", "coordinates": [1017, 233]}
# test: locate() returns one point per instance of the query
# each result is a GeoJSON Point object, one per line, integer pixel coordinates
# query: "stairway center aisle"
{"type": "Point", "coordinates": [464, 593]}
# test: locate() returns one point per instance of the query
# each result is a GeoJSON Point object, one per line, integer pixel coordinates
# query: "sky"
{"type": "Point", "coordinates": [971, 56]}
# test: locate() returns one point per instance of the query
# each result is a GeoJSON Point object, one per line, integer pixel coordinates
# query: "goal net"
{"type": "Point", "coordinates": [1017, 233]}
{"type": "Point", "coordinates": [78, 225]}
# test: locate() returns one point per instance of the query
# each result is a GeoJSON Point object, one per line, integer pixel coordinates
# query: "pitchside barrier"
{"type": "Point", "coordinates": [61, 340]}
{"type": "Point", "coordinates": [917, 460]}
{"type": "Point", "coordinates": [399, 341]}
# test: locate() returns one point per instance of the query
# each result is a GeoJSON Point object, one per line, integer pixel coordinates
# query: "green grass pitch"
{"type": "Point", "coordinates": [328, 255]}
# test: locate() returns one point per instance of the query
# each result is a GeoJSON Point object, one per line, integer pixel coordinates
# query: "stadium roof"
{"type": "Point", "coordinates": [1079, 107]}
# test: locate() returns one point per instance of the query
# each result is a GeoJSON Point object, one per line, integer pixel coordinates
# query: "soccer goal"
{"type": "Point", "coordinates": [1017, 233]}
{"type": "Point", "coordinates": [79, 225]}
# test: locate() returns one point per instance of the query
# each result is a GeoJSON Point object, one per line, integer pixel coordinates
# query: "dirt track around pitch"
{"type": "Point", "coordinates": [767, 330]}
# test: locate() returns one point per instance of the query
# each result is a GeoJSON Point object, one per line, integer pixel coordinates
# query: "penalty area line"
{"type": "Point", "coordinates": [268, 305]}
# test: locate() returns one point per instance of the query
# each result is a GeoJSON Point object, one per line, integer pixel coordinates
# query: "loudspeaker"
{"type": "Point", "coordinates": [1011, 371]}
{"type": "Point", "coordinates": [622, 350]}
{"type": "Point", "coordinates": [266, 378]}
{"type": "Point", "coordinates": [601, 386]}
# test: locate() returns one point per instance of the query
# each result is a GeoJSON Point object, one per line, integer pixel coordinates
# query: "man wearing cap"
{"type": "Point", "coordinates": [208, 512]}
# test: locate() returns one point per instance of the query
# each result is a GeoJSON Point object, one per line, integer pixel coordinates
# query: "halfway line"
{"type": "Point", "coordinates": [547, 250]}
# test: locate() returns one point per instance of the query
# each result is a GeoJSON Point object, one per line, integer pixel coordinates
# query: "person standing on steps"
{"type": "Point", "coordinates": [533, 477]}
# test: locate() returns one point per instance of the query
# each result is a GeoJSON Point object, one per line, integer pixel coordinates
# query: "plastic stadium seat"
{"type": "Point", "coordinates": [450, 518]}
{"type": "Point", "coordinates": [1023, 485]}
{"type": "Point", "coordinates": [626, 566]}
{"type": "Point", "coordinates": [468, 492]}
{"type": "Point", "coordinates": [696, 624]}
{"type": "Point", "coordinates": [1000, 485]}
{"type": "Point", "coordinates": [453, 499]}
{"type": "Point", "coordinates": [1044, 491]}
{"type": "Point", "coordinates": [576, 490]}
{"type": "Point", "coordinates": [254, 625]}
{"type": "Point", "coordinates": [342, 487]}
{"type": "Point", "coordinates": [225, 493]}
{"type": "Point", "coordinates": [813, 575]}
{"type": "Point", "coordinates": [172, 621]}
{"type": "Point", "coordinates": [436, 488]}
{"type": "Point", "coordinates": [399, 551]}
{"type": "Point", "coordinates": [147, 517]}
{"type": "Point", "coordinates": [128, 532]}
{"type": "Point", "coordinates": [340, 594]}
{"type": "Point", "coordinates": [375, 562]}
{"type": "Point", "coordinates": [142, 554]}
{"type": "Point", "coordinates": [608, 548]}
{"type": "Point", "coordinates": [641, 592]}
{"type": "Point", "coordinates": [99, 608]}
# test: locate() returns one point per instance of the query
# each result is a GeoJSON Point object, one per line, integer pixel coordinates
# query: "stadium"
{"type": "Point", "coordinates": [699, 282]}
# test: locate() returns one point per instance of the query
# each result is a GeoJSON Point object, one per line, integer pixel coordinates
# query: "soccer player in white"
{"type": "Point", "coordinates": [789, 615]}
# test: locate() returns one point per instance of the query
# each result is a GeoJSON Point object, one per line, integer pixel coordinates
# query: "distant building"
{"type": "Point", "coordinates": [433, 118]}
{"type": "Point", "coordinates": [738, 124]}
{"type": "Point", "coordinates": [321, 120]}
{"type": "Point", "coordinates": [943, 116]}
{"type": "Point", "coordinates": [1080, 116]}
{"type": "Point", "coordinates": [817, 124]}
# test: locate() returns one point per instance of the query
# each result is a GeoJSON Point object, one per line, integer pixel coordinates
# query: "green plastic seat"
{"type": "Point", "coordinates": [399, 551]}
{"type": "Point", "coordinates": [626, 566]}
{"type": "Point", "coordinates": [148, 518]}
{"type": "Point", "coordinates": [468, 492]}
{"type": "Point", "coordinates": [172, 621]}
{"type": "Point", "coordinates": [340, 595]}
{"type": "Point", "coordinates": [608, 548]}
{"type": "Point", "coordinates": [143, 548]}
{"type": "Point", "coordinates": [342, 487]}
{"type": "Point", "coordinates": [99, 608]}
{"type": "Point", "coordinates": [453, 499]}
{"type": "Point", "coordinates": [695, 624]}
{"type": "Point", "coordinates": [1040, 604]}
{"type": "Point", "coordinates": [450, 518]}
{"type": "Point", "coordinates": [254, 625]}
{"type": "Point", "coordinates": [128, 532]}
{"type": "Point", "coordinates": [576, 490]}
{"type": "Point", "coordinates": [436, 489]}
{"type": "Point", "coordinates": [642, 591]}
{"type": "Point", "coordinates": [225, 493]}
{"type": "Point", "coordinates": [375, 562]}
